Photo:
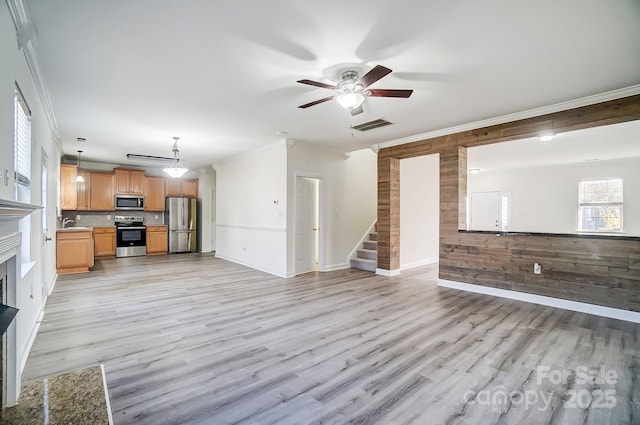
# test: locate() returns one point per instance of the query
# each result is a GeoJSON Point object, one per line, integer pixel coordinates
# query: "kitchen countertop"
{"type": "Point", "coordinates": [76, 229]}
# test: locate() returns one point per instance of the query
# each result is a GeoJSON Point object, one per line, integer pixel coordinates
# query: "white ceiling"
{"type": "Point", "coordinates": [609, 142]}
{"type": "Point", "coordinates": [129, 75]}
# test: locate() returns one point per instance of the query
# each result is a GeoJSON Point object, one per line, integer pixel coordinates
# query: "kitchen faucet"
{"type": "Point", "coordinates": [66, 221]}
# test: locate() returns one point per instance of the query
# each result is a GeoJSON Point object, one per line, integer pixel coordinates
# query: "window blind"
{"type": "Point", "coordinates": [22, 140]}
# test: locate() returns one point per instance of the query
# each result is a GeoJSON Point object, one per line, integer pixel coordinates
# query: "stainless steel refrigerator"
{"type": "Point", "coordinates": [181, 219]}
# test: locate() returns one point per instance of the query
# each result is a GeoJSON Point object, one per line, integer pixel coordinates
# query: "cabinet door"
{"type": "Point", "coordinates": [190, 188]}
{"type": "Point", "coordinates": [102, 192]}
{"type": "Point", "coordinates": [136, 182]}
{"type": "Point", "coordinates": [74, 251]}
{"type": "Point", "coordinates": [68, 190]}
{"type": "Point", "coordinates": [104, 242]}
{"type": "Point", "coordinates": [157, 240]}
{"type": "Point", "coordinates": [122, 181]}
{"type": "Point", "coordinates": [174, 187]}
{"type": "Point", "coordinates": [84, 191]}
{"type": "Point", "coordinates": [154, 193]}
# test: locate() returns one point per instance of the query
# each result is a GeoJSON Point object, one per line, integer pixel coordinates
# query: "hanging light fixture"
{"type": "Point", "coordinates": [79, 179]}
{"type": "Point", "coordinates": [174, 169]}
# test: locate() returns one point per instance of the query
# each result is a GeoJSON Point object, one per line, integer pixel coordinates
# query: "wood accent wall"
{"type": "Point", "coordinates": [597, 271]}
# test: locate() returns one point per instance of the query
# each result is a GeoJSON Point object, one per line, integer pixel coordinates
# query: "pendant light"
{"type": "Point", "coordinates": [174, 169]}
{"type": "Point", "coordinates": [79, 179]}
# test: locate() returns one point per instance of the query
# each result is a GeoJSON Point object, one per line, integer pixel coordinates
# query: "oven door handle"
{"type": "Point", "coordinates": [132, 228]}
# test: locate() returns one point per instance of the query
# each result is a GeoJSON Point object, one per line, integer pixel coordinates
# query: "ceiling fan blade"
{"type": "Point", "coordinates": [390, 93]}
{"type": "Point", "coordinates": [374, 75]}
{"type": "Point", "coordinates": [306, 105]}
{"type": "Point", "coordinates": [317, 84]}
{"type": "Point", "coordinates": [357, 110]}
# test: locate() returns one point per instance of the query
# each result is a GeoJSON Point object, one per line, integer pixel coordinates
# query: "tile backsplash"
{"type": "Point", "coordinates": [96, 219]}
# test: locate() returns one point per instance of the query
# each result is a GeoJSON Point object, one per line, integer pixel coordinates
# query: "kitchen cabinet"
{"type": "Point", "coordinates": [129, 182]}
{"type": "Point", "coordinates": [74, 251]}
{"type": "Point", "coordinates": [83, 191]}
{"type": "Point", "coordinates": [157, 240]}
{"type": "Point", "coordinates": [154, 193]}
{"type": "Point", "coordinates": [101, 196]}
{"type": "Point", "coordinates": [104, 241]}
{"type": "Point", "coordinates": [188, 188]}
{"type": "Point", "coordinates": [68, 189]}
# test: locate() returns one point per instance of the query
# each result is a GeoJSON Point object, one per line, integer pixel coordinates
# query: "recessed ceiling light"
{"type": "Point", "coordinates": [474, 170]}
{"type": "Point", "coordinates": [547, 137]}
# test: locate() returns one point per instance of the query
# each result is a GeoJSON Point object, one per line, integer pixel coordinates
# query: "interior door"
{"type": "Point", "coordinates": [306, 224]}
{"type": "Point", "coordinates": [46, 239]}
{"type": "Point", "coordinates": [485, 211]}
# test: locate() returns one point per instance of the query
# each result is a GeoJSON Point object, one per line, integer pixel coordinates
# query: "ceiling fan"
{"type": "Point", "coordinates": [352, 90]}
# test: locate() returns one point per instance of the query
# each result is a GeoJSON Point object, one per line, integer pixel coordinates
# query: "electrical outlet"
{"type": "Point", "coordinates": [108, 217]}
{"type": "Point", "coordinates": [537, 268]}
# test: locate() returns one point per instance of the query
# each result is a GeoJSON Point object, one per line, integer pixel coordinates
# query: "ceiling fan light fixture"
{"type": "Point", "coordinates": [350, 100]}
{"type": "Point", "coordinates": [174, 170]}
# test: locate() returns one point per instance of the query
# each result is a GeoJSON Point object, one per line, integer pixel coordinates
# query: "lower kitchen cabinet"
{"type": "Point", "coordinates": [74, 251]}
{"type": "Point", "coordinates": [104, 241]}
{"type": "Point", "coordinates": [157, 240]}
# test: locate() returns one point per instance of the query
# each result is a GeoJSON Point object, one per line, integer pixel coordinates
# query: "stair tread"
{"type": "Point", "coordinates": [365, 260]}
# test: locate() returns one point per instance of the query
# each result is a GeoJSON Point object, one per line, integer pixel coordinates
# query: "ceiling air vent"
{"type": "Point", "coordinates": [371, 125]}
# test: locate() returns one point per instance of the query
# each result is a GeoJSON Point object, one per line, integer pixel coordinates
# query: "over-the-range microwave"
{"type": "Point", "coordinates": [129, 202]}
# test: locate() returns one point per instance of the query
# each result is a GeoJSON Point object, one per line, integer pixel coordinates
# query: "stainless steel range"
{"type": "Point", "coordinates": [131, 236]}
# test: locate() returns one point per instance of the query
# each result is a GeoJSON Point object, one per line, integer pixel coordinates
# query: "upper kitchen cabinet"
{"type": "Point", "coordinates": [68, 189]}
{"type": "Point", "coordinates": [84, 191]}
{"type": "Point", "coordinates": [129, 182]}
{"type": "Point", "coordinates": [154, 191]}
{"type": "Point", "coordinates": [102, 194]}
{"type": "Point", "coordinates": [188, 187]}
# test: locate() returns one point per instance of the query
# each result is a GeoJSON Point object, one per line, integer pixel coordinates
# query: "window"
{"type": "Point", "coordinates": [600, 205]}
{"type": "Point", "coordinates": [22, 169]}
{"type": "Point", "coordinates": [22, 146]}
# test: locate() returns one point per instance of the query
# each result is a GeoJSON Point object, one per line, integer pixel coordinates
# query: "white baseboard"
{"type": "Point", "coordinates": [333, 267]}
{"type": "Point", "coordinates": [52, 284]}
{"type": "Point", "coordinates": [418, 264]}
{"type": "Point", "coordinates": [598, 310]}
{"type": "Point", "coordinates": [385, 272]}
{"type": "Point", "coordinates": [30, 340]}
{"type": "Point", "coordinates": [253, 266]}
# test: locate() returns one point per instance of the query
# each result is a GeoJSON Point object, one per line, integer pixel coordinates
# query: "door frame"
{"type": "Point", "coordinates": [320, 253]}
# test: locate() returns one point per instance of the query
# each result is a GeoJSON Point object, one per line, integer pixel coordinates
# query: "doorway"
{"type": "Point", "coordinates": [307, 224]}
{"type": "Point", "coordinates": [485, 210]}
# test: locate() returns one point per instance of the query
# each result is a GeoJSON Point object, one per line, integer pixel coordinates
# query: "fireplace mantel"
{"type": "Point", "coordinates": [14, 210]}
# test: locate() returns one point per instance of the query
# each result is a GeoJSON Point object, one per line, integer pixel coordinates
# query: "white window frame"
{"type": "Point", "coordinates": [616, 204]}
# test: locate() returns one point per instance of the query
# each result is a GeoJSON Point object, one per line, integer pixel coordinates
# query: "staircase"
{"type": "Point", "coordinates": [367, 254]}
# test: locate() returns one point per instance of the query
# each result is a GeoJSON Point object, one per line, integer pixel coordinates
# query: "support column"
{"type": "Point", "coordinates": [388, 214]}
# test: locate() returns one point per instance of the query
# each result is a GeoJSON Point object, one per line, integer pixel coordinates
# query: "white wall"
{"type": "Point", "coordinates": [348, 200]}
{"type": "Point", "coordinates": [545, 199]}
{"type": "Point", "coordinates": [41, 275]}
{"type": "Point", "coordinates": [419, 210]}
{"type": "Point", "coordinates": [251, 209]}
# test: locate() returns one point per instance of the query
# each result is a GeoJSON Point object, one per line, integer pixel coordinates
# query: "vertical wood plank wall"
{"type": "Point", "coordinates": [597, 271]}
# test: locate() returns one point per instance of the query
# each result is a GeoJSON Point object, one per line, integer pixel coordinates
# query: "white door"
{"type": "Point", "coordinates": [47, 241]}
{"type": "Point", "coordinates": [485, 211]}
{"type": "Point", "coordinates": [213, 220]}
{"type": "Point", "coordinates": [306, 244]}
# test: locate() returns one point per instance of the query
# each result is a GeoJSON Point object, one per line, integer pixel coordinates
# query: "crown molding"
{"type": "Point", "coordinates": [26, 34]}
{"type": "Point", "coordinates": [557, 107]}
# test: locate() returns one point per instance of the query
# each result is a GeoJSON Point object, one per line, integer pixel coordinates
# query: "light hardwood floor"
{"type": "Point", "coordinates": [192, 339]}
